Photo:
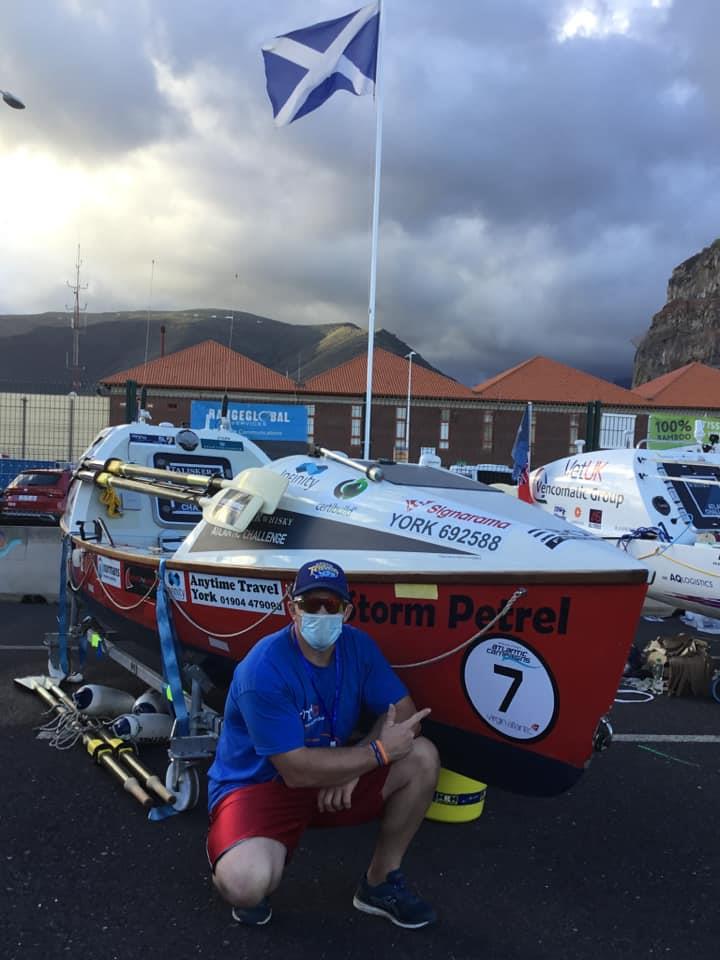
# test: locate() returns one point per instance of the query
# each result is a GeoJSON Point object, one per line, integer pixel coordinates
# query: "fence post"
{"type": "Point", "coordinates": [590, 426]}
{"type": "Point", "coordinates": [23, 428]}
{"type": "Point", "coordinates": [71, 427]}
{"type": "Point", "coordinates": [597, 425]}
{"type": "Point", "coordinates": [130, 400]}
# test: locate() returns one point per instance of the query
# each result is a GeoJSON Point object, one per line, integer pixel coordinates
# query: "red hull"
{"type": "Point", "coordinates": [527, 694]}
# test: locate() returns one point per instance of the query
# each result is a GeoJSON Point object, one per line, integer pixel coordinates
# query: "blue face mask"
{"type": "Point", "coordinates": [321, 630]}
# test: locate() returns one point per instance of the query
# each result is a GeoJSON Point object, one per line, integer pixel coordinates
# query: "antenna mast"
{"type": "Point", "coordinates": [75, 323]}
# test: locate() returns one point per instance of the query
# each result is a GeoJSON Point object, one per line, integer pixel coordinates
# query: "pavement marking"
{"type": "Point", "coordinates": [23, 646]}
{"type": "Point", "coordinates": [666, 738]}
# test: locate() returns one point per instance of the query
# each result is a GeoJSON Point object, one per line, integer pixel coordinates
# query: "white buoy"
{"type": "Point", "coordinates": [144, 727]}
{"type": "Point", "coordinates": [97, 701]}
{"type": "Point", "coordinates": [152, 701]}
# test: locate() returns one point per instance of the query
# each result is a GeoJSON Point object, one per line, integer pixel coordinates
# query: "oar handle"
{"type": "Point", "coordinates": [372, 472]}
{"type": "Point", "coordinates": [151, 781]}
{"type": "Point", "coordinates": [129, 783]}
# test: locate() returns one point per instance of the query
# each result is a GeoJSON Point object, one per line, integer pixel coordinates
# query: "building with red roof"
{"type": "Point", "coordinates": [695, 386]}
{"type": "Point", "coordinates": [183, 387]}
{"type": "Point", "coordinates": [443, 412]}
{"type": "Point", "coordinates": [460, 423]}
{"type": "Point", "coordinates": [543, 380]}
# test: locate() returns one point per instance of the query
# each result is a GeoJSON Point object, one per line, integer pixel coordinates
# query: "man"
{"type": "Point", "coordinates": [286, 759]}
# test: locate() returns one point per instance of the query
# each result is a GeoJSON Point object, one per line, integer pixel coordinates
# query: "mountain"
{"type": "Point", "coordinates": [36, 349]}
{"type": "Point", "coordinates": [688, 326]}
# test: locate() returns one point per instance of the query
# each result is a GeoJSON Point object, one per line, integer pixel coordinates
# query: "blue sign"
{"type": "Point", "coordinates": [258, 421]}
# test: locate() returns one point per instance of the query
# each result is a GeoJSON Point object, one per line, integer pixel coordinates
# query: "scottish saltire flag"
{"type": "Point", "coordinates": [305, 67]}
{"type": "Point", "coordinates": [521, 456]}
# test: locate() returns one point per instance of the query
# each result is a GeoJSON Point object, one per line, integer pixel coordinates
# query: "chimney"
{"type": "Point", "coordinates": [162, 340]}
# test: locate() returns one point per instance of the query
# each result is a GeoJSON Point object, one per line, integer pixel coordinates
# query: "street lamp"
{"type": "Point", "coordinates": [12, 101]}
{"type": "Point", "coordinates": [408, 357]}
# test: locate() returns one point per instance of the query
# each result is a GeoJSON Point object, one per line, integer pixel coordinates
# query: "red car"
{"type": "Point", "coordinates": [37, 494]}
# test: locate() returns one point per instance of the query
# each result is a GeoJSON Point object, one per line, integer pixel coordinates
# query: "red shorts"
{"type": "Point", "coordinates": [282, 813]}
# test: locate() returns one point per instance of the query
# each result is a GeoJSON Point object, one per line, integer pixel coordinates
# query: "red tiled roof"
{"type": "Point", "coordinates": [390, 379]}
{"type": "Point", "coordinates": [694, 385]}
{"type": "Point", "coordinates": [542, 380]}
{"type": "Point", "coordinates": [205, 366]}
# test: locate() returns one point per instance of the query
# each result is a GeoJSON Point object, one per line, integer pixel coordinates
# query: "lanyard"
{"type": "Point", "coordinates": [338, 683]}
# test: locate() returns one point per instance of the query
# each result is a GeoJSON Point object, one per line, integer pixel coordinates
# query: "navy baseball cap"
{"type": "Point", "coordinates": [320, 575]}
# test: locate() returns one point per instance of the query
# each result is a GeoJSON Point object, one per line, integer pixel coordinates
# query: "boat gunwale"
{"type": "Point", "coordinates": [135, 555]}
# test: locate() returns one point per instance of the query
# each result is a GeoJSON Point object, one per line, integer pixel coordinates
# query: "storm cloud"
{"type": "Point", "coordinates": [546, 164]}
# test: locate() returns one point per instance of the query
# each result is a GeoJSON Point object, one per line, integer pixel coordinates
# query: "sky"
{"type": "Point", "coordinates": [545, 166]}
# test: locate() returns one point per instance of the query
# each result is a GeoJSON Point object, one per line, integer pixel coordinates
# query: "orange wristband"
{"type": "Point", "coordinates": [383, 753]}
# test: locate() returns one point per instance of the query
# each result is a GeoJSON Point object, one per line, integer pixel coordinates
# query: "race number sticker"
{"type": "Point", "coordinates": [511, 688]}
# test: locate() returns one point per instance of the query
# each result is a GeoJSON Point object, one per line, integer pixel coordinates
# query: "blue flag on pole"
{"type": "Point", "coordinates": [521, 451]}
{"type": "Point", "coordinates": [305, 67]}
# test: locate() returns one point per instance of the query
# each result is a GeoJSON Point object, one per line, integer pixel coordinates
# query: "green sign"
{"type": "Point", "coordinates": [667, 430]}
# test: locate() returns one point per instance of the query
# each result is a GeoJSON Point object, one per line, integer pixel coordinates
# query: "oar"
{"type": "Point", "coordinates": [95, 741]}
{"type": "Point", "coordinates": [233, 505]}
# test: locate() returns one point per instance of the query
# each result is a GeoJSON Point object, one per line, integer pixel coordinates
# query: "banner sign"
{"type": "Point", "coordinates": [667, 430]}
{"type": "Point", "coordinates": [258, 421]}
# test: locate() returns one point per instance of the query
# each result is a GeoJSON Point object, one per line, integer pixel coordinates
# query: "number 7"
{"type": "Point", "coordinates": [517, 678]}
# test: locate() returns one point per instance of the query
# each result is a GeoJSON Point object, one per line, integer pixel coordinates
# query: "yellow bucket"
{"type": "Point", "coordinates": [458, 799]}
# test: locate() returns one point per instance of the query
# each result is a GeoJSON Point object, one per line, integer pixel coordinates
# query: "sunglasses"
{"type": "Point", "coordinates": [314, 604]}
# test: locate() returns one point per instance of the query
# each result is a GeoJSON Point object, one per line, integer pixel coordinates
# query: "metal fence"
{"type": "Point", "coordinates": [617, 430]}
{"type": "Point", "coordinates": [52, 427]}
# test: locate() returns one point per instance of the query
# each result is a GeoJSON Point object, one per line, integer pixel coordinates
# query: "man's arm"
{"type": "Point", "coordinates": [334, 766]}
{"type": "Point", "coordinates": [404, 708]}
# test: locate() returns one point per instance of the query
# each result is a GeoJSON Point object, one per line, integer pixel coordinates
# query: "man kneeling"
{"type": "Point", "coordinates": [283, 763]}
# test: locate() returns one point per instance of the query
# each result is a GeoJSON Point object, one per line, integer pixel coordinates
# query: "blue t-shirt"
{"type": "Point", "coordinates": [278, 701]}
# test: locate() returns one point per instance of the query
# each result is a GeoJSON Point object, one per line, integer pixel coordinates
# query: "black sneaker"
{"type": "Point", "coordinates": [253, 916]}
{"type": "Point", "coordinates": [394, 900]}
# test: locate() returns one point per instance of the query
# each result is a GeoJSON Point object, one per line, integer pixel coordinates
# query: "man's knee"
{"type": "Point", "coordinates": [244, 877]}
{"type": "Point", "coordinates": [425, 758]}
{"type": "Point", "coordinates": [418, 770]}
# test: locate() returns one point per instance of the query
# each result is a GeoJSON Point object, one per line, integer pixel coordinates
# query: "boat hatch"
{"type": "Point", "coordinates": [701, 499]}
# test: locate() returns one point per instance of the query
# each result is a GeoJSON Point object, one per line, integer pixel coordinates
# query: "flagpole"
{"type": "Point", "coordinates": [375, 224]}
{"type": "Point", "coordinates": [530, 433]}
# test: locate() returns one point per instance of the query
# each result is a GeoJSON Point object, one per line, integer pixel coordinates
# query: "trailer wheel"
{"type": "Point", "coordinates": [182, 779]}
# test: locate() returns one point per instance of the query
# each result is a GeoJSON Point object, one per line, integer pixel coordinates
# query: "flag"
{"type": "Point", "coordinates": [521, 456]}
{"type": "Point", "coordinates": [305, 67]}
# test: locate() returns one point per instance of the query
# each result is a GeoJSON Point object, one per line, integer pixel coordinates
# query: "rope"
{"type": "Point", "coordinates": [120, 606]}
{"type": "Point", "coordinates": [476, 636]}
{"type": "Point", "coordinates": [111, 501]}
{"type": "Point", "coordinates": [643, 533]}
{"type": "Point", "coordinates": [680, 563]}
{"type": "Point", "coordinates": [238, 633]}
{"type": "Point", "coordinates": [64, 730]}
{"type": "Point", "coordinates": [85, 575]}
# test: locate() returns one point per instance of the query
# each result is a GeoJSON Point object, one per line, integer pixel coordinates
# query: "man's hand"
{"type": "Point", "coordinates": [331, 799]}
{"type": "Point", "coordinates": [397, 738]}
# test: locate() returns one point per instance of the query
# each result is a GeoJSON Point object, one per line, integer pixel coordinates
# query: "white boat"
{"type": "Point", "coordinates": [660, 506]}
{"type": "Point", "coordinates": [486, 608]}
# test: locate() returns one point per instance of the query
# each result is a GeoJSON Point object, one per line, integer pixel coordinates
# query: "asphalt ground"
{"type": "Point", "coordinates": [626, 864]}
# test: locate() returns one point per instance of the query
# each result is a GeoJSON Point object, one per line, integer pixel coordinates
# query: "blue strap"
{"type": "Point", "coordinates": [62, 608]}
{"type": "Point", "coordinates": [168, 649]}
{"type": "Point", "coordinates": [162, 813]}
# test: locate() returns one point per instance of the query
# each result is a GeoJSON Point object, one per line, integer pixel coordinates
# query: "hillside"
{"type": "Point", "coordinates": [36, 349]}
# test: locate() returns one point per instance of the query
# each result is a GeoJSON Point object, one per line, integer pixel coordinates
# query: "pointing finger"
{"type": "Point", "coordinates": [417, 717]}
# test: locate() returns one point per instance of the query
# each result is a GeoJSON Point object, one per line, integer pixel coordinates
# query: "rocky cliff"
{"type": "Point", "coordinates": [688, 326]}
